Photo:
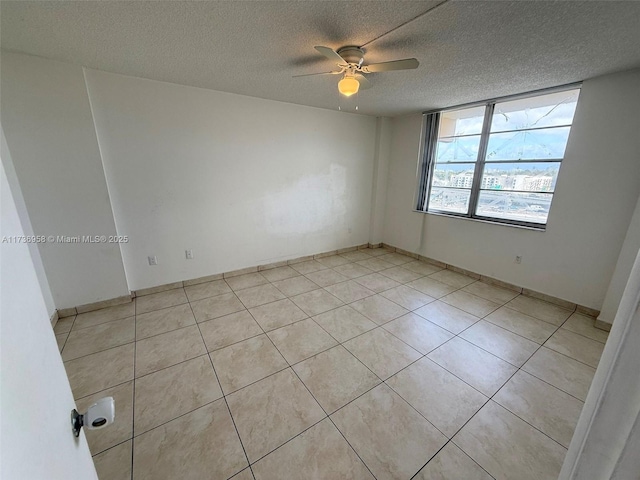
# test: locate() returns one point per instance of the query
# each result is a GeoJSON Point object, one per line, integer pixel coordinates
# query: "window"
{"type": "Point", "coordinates": [497, 161]}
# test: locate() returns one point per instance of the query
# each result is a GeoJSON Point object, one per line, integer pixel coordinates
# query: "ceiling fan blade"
{"type": "Point", "coordinates": [406, 64]}
{"type": "Point", "coordinates": [331, 54]}
{"type": "Point", "coordinates": [319, 73]}
{"type": "Point", "coordinates": [362, 80]}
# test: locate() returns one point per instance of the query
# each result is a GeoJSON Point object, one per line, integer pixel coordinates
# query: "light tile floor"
{"type": "Point", "coordinates": [363, 365]}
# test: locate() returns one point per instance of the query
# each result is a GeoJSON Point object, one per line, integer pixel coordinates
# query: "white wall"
{"type": "Point", "coordinates": [380, 179]}
{"type": "Point", "coordinates": [242, 181]}
{"type": "Point", "coordinates": [47, 120]}
{"type": "Point", "coordinates": [620, 277]}
{"type": "Point", "coordinates": [10, 173]}
{"type": "Point", "coordinates": [597, 190]}
{"type": "Point", "coordinates": [35, 432]}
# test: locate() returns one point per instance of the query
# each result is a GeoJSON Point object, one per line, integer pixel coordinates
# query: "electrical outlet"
{"type": "Point", "coordinates": [518, 259]}
{"type": "Point", "coordinates": [189, 254]}
{"type": "Point", "coordinates": [153, 260]}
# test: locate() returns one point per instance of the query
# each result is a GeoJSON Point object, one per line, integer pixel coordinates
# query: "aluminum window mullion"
{"type": "Point", "coordinates": [508, 98]}
{"type": "Point", "coordinates": [432, 159]}
{"type": "Point", "coordinates": [510, 191]}
{"type": "Point", "coordinates": [508, 221]}
{"type": "Point", "coordinates": [464, 135]}
{"type": "Point", "coordinates": [554, 160]}
{"type": "Point", "coordinates": [428, 161]}
{"type": "Point", "coordinates": [466, 162]}
{"type": "Point", "coordinates": [515, 130]}
{"type": "Point", "coordinates": [530, 129]}
{"type": "Point", "coordinates": [482, 152]}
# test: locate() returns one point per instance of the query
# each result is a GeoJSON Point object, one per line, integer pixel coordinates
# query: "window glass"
{"type": "Point", "coordinates": [501, 167]}
{"type": "Point", "coordinates": [524, 207]}
{"type": "Point", "coordinates": [529, 177]}
{"type": "Point", "coordinates": [545, 144]}
{"type": "Point", "coordinates": [453, 200]}
{"type": "Point", "coordinates": [551, 110]}
{"type": "Point", "coordinates": [453, 175]}
{"type": "Point", "coordinates": [455, 123]}
{"type": "Point", "coordinates": [458, 149]}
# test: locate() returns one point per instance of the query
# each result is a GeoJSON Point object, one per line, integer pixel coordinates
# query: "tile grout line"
{"type": "Point", "coordinates": [347, 304]}
{"type": "Point", "coordinates": [312, 396]}
{"type": "Point", "coordinates": [172, 365]}
{"type": "Point", "coordinates": [341, 344]}
{"type": "Point", "coordinates": [223, 394]}
{"type": "Point", "coordinates": [68, 333]}
{"type": "Point", "coordinates": [319, 287]}
{"type": "Point", "coordinates": [64, 344]}
{"type": "Point", "coordinates": [383, 381]}
{"type": "Point", "coordinates": [113, 320]}
{"type": "Point", "coordinates": [133, 400]}
{"type": "Point", "coordinates": [98, 351]}
{"type": "Point", "coordinates": [181, 415]}
{"type": "Point", "coordinates": [450, 441]}
{"type": "Point", "coordinates": [382, 325]}
{"type": "Point", "coordinates": [568, 356]}
{"type": "Point", "coordinates": [557, 328]}
{"type": "Point", "coordinates": [323, 409]}
{"type": "Point", "coordinates": [506, 305]}
{"type": "Point", "coordinates": [551, 385]}
{"type": "Point", "coordinates": [256, 381]}
{"type": "Point", "coordinates": [327, 415]}
{"type": "Point", "coordinates": [345, 438]}
{"type": "Point", "coordinates": [491, 397]}
{"type": "Point", "coordinates": [580, 334]}
{"type": "Point", "coordinates": [517, 416]}
{"type": "Point", "coordinates": [76, 328]}
{"type": "Point", "coordinates": [114, 446]}
{"type": "Point", "coordinates": [294, 372]}
{"type": "Point", "coordinates": [377, 326]}
{"type": "Point", "coordinates": [289, 440]}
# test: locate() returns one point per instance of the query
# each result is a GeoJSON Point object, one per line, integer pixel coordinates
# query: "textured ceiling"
{"type": "Point", "coordinates": [468, 50]}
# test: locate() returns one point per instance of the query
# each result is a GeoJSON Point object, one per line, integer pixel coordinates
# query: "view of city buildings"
{"type": "Point", "coordinates": [523, 194]}
{"type": "Point", "coordinates": [522, 182]}
{"type": "Point", "coordinates": [523, 150]}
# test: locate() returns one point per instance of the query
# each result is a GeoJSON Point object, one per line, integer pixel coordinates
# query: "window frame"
{"type": "Point", "coordinates": [427, 158]}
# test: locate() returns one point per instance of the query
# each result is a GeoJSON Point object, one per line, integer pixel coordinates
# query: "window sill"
{"type": "Point", "coordinates": [541, 228]}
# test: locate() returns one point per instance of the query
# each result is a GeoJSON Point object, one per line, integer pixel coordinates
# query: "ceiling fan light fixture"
{"type": "Point", "coordinates": [348, 86]}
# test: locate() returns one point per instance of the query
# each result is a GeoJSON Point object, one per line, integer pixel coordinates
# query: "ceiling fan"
{"type": "Point", "coordinates": [350, 60]}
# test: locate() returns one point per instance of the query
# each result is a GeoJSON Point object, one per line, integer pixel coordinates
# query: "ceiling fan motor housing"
{"type": "Point", "coordinates": [352, 54]}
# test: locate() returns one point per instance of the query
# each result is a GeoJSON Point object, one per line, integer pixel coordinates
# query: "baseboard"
{"type": "Point", "coordinates": [208, 278]}
{"type": "Point", "coordinates": [67, 312]}
{"type": "Point", "coordinates": [157, 289]}
{"type": "Point", "coordinates": [549, 298]}
{"type": "Point", "coordinates": [463, 271]}
{"type": "Point", "coordinates": [90, 307]}
{"type": "Point", "coordinates": [499, 283]}
{"type": "Point", "coordinates": [590, 312]}
{"type": "Point", "coordinates": [602, 325]}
